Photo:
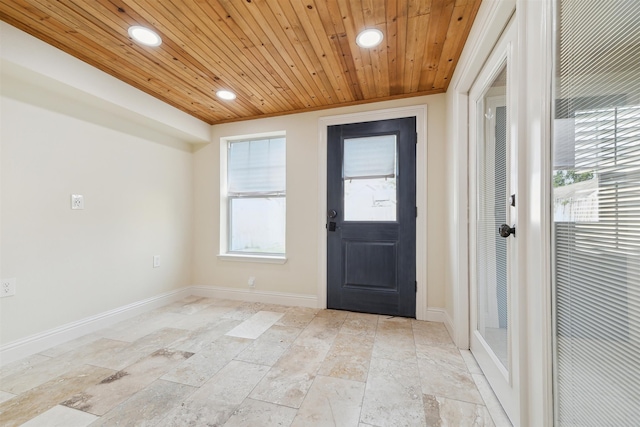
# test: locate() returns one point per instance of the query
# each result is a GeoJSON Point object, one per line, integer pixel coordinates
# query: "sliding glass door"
{"type": "Point", "coordinates": [596, 211]}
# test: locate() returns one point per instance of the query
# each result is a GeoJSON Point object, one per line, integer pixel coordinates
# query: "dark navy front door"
{"type": "Point", "coordinates": [371, 217]}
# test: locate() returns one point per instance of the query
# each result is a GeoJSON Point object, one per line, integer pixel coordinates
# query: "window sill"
{"type": "Point", "coordinates": [266, 259]}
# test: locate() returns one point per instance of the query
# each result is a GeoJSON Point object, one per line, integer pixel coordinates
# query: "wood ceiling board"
{"type": "Point", "coordinates": [278, 56]}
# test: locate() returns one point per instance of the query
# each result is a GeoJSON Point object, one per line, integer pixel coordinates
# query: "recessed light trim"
{"type": "Point", "coordinates": [144, 36]}
{"type": "Point", "coordinates": [226, 95]}
{"type": "Point", "coordinates": [369, 38]}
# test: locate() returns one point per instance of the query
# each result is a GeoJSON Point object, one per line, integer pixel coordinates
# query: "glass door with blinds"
{"type": "Point", "coordinates": [596, 212]}
{"type": "Point", "coordinates": [492, 183]}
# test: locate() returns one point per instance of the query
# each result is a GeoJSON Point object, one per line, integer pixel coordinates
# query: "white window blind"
{"type": "Point", "coordinates": [257, 166]}
{"type": "Point", "coordinates": [370, 157]}
{"type": "Point", "coordinates": [597, 214]}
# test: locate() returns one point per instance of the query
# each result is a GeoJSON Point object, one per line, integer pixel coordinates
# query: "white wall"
{"type": "Point", "coordinates": [71, 264]}
{"type": "Point", "coordinates": [300, 274]}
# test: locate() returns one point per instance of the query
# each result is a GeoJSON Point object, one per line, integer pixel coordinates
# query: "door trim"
{"type": "Point", "coordinates": [420, 113]}
{"type": "Point", "coordinates": [491, 19]}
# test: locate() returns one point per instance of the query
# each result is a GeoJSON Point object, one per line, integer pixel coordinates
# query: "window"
{"type": "Point", "coordinates": [254, 200]}
{"type": "Point", "coordinates": [369, 174]}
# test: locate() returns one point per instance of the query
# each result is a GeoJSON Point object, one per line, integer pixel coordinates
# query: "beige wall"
{"type": "Point", "coordinates": [300, 274]}
{"type": "Point", "coordinates": [70, 264]}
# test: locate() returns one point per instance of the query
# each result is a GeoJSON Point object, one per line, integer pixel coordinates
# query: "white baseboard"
{"type": "Point", "coordinates": [39, 342]}
{"type": "Point", "coordinates": [434, 314]}
{"type": "Point", "coordinates": [282, 298]}
{"type": "Point", "coordinates": [448, 323]}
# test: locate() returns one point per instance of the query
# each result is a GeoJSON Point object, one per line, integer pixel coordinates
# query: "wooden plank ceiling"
{"type": "Point", "coordinates": [278, 56]}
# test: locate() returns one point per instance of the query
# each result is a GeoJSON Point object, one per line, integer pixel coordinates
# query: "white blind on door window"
{"type": "Point", "coordinates": [256, 166]}
{"type": "Point", "coordinates": [596, 206]}
{"type": "Point", "coordinates": [370, 157]}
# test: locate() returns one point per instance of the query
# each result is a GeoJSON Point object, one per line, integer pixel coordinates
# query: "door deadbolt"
{"type": "Point", "coordinates": [332, 213]}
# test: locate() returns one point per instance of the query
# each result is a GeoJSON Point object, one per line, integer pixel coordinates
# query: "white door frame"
{"type": "Point", "coordinates": [491, 19]}
{"type": "Point", "coordinates": [420, 113]}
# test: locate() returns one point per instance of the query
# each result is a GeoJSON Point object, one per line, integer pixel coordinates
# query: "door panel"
{"type": "Point", "coordinates": [371, 225]}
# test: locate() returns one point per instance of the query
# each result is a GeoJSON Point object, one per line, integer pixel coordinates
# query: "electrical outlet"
{"type": "Point", "coordinates": [156, 261]}
{"type": "Point", "coordinates": [252, 282]}
{"type": "Point", "coordinates": [8, 287]}
{"type": "Point", "coordinates": [77, 201]}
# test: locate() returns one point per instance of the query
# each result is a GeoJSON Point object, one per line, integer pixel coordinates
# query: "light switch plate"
{"type": "Point", "coordinates": [156, 261]}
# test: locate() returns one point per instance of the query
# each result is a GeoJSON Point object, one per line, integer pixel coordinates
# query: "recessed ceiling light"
{"type": "Point", "coordinates": [369, 38]}
{"type": "Point", "coordinates": [225, 94]}
{"type": "Point", "coordinates": [144, 36]}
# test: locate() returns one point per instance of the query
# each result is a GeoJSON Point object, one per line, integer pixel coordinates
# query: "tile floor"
{"type": "Point", "coordinates": [213, 362]}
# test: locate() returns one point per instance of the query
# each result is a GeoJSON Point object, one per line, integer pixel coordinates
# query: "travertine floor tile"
{"type": "Point", "coordinates": [61, 416]}
{"type": "Point", "coordinates": [289, 380]}
{"type": "Point", "coordinates": [349, 357]}
{"type": "Point", "coordinates": [61, 349]}
{"type": "Point", "coordinates": [147, 407]}
{"type": "Point", "coordinates": [37, 374]}
{"type": "Point", "coordinates": [393, 396]}
{"type": "Point", "coordinates": [218, 398]}
{"type": "Point", "coordinates": [199, 368]}
{"type": "Point", "coordinates": [333, 314]}
{"type": "Point", "coordinates": [443, 412]}
{"type": "Point", "coordinates": [331, 402]}
{"type": "Point", "coordinates": [191, 306]}
{"type": "Point", "coordinates": [22, 365]}
{"type": "Point", "coordinates": [360, 324]}
{"type": "Point", "coordinates": [394, 339]}
{"type": "Point", "coordinates": [443, 378]}
{"type": "Point", "coordinates": [271, 345]}
{"type": "Point", "coordinates": [320, 332]}
{"type": "Point", "coordinates": [121, 357]}
{"type": "Point", "coordinates": [34, 402]}
{"type": "Point", "coordinates": [201, 338]}
{"type": "Point", "coordinates": [221, 302]}
{"type": "Point", "coordinates": [140, 326]}
{"type": "Point", "coordinates": [302, 310]}
{"type": "Point", "coordinates": [431, 334]}
{"type": "Point", "coordinates": [296, 320]}
{"type": "Point", "coordinates": [258, 413]}
{"type": "Point", "coordinates": [256, 325]}
{"type": "Point", "coordinates": [111, 391]}
{"type": "Point", "coordinates": [203, 317]}
{"type": "Point", "coordinates": [4, 396]}
{"type": "Point", "coordinates": [449, 356]}
{"type": "Point", "coordinates": [244, 311]}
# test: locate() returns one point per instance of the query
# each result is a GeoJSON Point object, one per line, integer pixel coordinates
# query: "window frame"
{"type": "Point", "coordinates": [226, 199]}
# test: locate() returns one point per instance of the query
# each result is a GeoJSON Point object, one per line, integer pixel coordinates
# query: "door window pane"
{"type": "Point", "coordinates": [369, 173]}
{"type": "Point", "coordinates": [492, 213]}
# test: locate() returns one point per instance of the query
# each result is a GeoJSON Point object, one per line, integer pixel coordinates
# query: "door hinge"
{"type": "Point", "coordinates": [416, 212]}
{"type": "Point", "coordinates": [416, 282]}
